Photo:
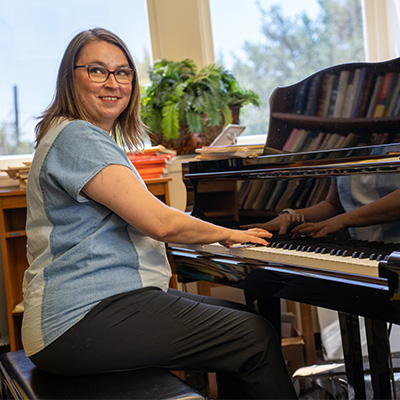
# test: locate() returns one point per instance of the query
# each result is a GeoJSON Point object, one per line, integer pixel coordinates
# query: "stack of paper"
{"type": "Point", "coordinates": [232, 151]}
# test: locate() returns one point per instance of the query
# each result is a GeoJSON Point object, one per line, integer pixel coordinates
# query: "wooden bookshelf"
{"type": "Point", "coordinates": [288, 114]}
{"type": "Point", "coordinates": [13, 246]}
{"type": "Point", "coordinates": [304, 117]}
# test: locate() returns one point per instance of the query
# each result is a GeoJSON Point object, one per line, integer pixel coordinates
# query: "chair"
{"type": "Point", "coordinates": [21, 379]}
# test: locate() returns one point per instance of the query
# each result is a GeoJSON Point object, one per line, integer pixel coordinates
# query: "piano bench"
{"type": "Point", "coordinates": [21, 379]}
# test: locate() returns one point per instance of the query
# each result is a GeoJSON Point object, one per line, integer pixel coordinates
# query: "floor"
{"type": "Point", "coordinates": [334, 386]}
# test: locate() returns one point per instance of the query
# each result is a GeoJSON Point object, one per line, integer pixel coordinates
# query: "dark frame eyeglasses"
{"type": "Point", "coordinates": [99, 74]}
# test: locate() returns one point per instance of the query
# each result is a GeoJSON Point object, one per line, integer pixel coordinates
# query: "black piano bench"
{"type": "Point", "coordinates": [21, 379]}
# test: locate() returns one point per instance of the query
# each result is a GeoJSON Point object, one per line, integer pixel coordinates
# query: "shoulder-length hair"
{"type": "Point", "coordinates": [128, 129]}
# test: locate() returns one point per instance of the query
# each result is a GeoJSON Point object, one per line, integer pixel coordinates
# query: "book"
{"type": "Point", "coordinates": [351, 93]}
{"type": "Point", "coordinates": [382, 95]}
{"type": "Point", "coordinates": [374, 97]}
{"type": "Point", "coordinates": [325, 141]}
{"type": "Point", "coordinates": [243, 192]}
{"type": "Point", "coordinates": [262, 195]}
{"type": "Point", "coordinates": [332, 100]}
{"type": "Point", "coordinates": [276, 194]}
{"type": "Point", "coordinates": [313, 95]}
{"type": "Point", "coordinates": [325, 96]}
{"type": "Point", "coordinates": [301, 137]}
{"type": "Point", "coordinates": [253, 193]}
{"type": "Point", "coordinates": [341, 93]}
{"type": "Point", "coordinates": [358, 94]}
{"type": "Point", "coordinates": [365, 95]}
{"type": "Point", "coordinates": [317, 142]}
{"type": "Point", "coordinates": [301, 98]}
{"type": "Point", "coordinates": [394, 93]}
{"type": "Point", "coordinates": [285, 200]}
{"type": "Point", "coordinates": [289, 144]}
{"type": "Point", "coordinates": [304, 195]}
{"type": "Point", "coordinates": [350, 140]}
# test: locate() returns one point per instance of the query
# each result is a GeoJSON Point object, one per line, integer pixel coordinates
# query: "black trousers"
{"type": "Point", "coordinates": [178, 331]}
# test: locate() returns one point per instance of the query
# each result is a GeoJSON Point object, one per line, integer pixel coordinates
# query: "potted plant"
{"type": "Point", "coordinates": [185, 109]}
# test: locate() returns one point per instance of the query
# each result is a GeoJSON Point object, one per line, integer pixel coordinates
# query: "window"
{"type": "Point", "coordinates": [34, 36]}
{"type": "Point", "coordinates": [272, 43]}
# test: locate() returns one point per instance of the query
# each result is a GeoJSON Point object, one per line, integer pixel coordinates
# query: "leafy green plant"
{"type": "Point", "coordinates": [179, 95]}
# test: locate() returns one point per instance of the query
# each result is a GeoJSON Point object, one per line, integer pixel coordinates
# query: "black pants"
{"type": "Point", "coordinates": [178, 331]}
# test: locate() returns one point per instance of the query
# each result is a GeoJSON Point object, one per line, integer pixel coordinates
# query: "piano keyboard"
{"type": "Point", "coordinates": [360, 257]}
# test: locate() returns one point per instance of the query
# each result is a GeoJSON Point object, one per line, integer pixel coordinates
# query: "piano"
{"type": "Point", "coordinates": [354, 277]}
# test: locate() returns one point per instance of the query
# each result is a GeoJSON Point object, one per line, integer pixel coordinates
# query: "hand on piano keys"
{"type": "Point", "coordinates": [253, 235]}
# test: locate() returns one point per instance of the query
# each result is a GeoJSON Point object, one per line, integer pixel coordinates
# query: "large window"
{"type": "Point", "coordinates": [34, 37]}
{"type": "Point", "coordinates": [270, 43]}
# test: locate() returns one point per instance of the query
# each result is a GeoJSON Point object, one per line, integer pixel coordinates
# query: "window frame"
{"type": "Point", "coordinates": [381, 21]}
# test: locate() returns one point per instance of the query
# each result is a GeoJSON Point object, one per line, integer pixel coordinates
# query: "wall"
{"type": "Point", "coordinates": [181, 29]}
{"type": "Point", "coordinates": [381, 29]}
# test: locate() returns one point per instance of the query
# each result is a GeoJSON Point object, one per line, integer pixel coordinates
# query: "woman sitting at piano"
{"type": "Point", "coordinates": [367, 205]}
{"type": "Point", "coordinates": [96, 291]}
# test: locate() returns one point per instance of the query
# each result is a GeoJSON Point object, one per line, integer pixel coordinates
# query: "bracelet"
{"type": "Point", "coordinates": [288, 211]}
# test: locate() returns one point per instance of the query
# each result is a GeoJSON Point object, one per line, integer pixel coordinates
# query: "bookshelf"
{"type": "Point", "coordinates": [13, 246]}
{"type": "Point", "coordinates": [345, 105]}
{"type": "Point", "coordinates": [364, 102]}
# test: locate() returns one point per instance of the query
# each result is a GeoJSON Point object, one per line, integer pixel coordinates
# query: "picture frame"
{"type": "Point", "coordinates": [229, 135]}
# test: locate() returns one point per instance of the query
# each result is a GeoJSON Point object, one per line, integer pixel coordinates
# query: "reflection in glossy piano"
{"type": "Point", "coordinates": [355, 277]}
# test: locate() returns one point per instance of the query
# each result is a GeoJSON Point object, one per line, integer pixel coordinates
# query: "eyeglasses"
{"type": "Point", "coordinates": [99, 74]}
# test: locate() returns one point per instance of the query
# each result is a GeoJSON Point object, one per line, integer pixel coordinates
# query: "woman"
{"type": "Point", "coordinates": [96, 292]}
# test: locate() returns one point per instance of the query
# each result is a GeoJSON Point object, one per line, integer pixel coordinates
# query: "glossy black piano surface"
{"type": "Point", "coordinates": [370, 294]}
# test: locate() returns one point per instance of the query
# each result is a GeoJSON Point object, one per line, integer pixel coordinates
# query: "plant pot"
{"type": "Point", "coordinates": [187, 142]}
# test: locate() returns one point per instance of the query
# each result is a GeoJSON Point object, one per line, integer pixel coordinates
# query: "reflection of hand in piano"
{"type": "Point", "coordinates": [320, 229]}
{"type": "Point", "coordinates": [282, 223]}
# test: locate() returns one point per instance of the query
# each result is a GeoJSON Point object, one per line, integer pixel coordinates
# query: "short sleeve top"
{"type": "Point", "coordinates": [79, 251]}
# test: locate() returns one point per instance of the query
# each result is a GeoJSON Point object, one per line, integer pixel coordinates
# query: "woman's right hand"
{"type": "Point", "coordinates": [253, 235]}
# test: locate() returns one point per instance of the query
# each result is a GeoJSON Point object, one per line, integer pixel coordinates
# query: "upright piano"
{"type": "Point", "coordinates": [354, 277]}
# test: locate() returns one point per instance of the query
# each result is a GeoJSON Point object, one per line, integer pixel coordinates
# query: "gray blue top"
{"type": "Point", "coordinates": [79, 251]}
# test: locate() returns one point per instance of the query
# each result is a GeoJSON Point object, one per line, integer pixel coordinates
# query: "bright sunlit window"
{"type": "Point", "coordinates": [270, 43]}
{"type": "Point", "coordinates": [34, 37]}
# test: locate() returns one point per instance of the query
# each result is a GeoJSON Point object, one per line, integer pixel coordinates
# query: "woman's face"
{"type": "Point", "coordinates": [107, 100]}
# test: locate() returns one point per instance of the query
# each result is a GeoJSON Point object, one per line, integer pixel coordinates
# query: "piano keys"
{"type": "Point", "coordinates": [364, 285]}
{"type": "Point", "coordinates": [348, 256]}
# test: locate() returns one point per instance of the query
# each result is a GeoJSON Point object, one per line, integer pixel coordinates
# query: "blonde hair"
{"type": "Point", "coordinates": [128, 129]}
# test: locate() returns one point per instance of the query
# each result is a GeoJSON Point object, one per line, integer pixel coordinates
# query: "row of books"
{"type": "Point", "coordinates": [306, 140]}
{"type": "Point", "coordinates": [152, 163]}
{"type": "Point", "coordinates": [269, 195]}
{"type": "Point", "coordinates": [350, 94]}
{"type": "Point", "coordinates": [275, 195]}
{"type": "Point", "coordinates": [301, 140]}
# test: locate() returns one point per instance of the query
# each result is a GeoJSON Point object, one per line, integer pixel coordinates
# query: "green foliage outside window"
{"type": "Point", "coordinates": [293, 48]}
